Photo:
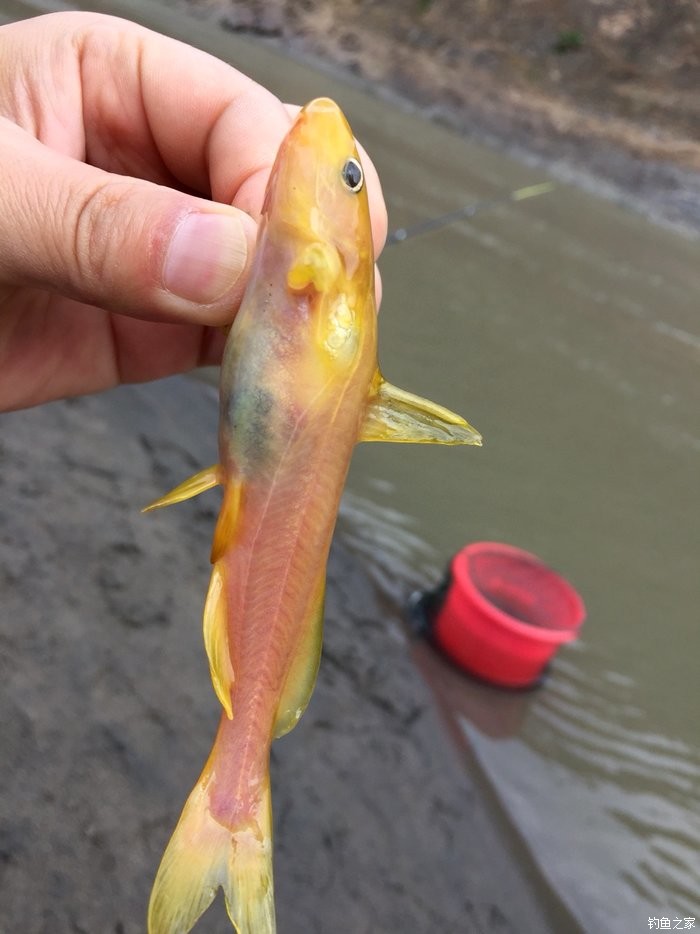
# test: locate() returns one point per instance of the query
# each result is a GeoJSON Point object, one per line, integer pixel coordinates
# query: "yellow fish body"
{"type": "Point", "coordinates": [299, 387]}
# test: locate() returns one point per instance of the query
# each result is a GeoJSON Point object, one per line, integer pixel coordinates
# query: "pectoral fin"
{"type": "Point", "coordinates": [301, 679]}
{"type": "Point", "coordinates": [204, 480]}
{"type": "Point", "coordinates": [216, 640]}
{"type": "Point", "coordinates": [396, 415]}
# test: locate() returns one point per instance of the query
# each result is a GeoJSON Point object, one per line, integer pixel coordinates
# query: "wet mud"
{"type": "Point", "coordinates": [107, 711]}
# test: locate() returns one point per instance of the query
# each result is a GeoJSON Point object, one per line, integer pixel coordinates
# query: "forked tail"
{"type": "Point", "coordinates": [203, 855]}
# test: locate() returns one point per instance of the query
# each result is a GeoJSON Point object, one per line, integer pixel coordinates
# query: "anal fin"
{"type": "Point", "coordinates": [204, 480]}
{"type": "Point", "coordinates": [216, 639]}
{"type": "Point", "coordinates": [396, 415]}
{"type": "Point", "coordinates": [301, 678]}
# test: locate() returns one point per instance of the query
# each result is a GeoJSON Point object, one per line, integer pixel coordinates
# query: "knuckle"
{"type": "Point", "coordinates": [102, 217]}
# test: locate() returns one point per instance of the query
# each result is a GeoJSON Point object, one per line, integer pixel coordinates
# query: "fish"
{"type": "Point", "coordinates": [300, 386]}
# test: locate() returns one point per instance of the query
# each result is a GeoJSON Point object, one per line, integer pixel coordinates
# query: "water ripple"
{"type": "Point", "coordinates": [608, 807]}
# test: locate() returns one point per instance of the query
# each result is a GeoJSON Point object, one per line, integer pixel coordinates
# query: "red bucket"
{"type": "Point", "coordinates": [505, 614]}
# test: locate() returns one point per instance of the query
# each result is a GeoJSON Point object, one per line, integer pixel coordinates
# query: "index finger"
{"type": "Point", "coordinates": [213, 129]}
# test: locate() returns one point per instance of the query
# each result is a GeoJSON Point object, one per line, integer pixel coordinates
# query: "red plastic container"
{"type": "Point", "coordinates": [505, 614]}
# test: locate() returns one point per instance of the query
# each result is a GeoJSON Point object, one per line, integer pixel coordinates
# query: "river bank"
{"type": "Point", "coordinates": [602, 94]}
{"type": "Point", "coordinates": [107, 712]}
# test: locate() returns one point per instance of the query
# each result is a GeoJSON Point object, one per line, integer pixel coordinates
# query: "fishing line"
{"type": "Point", "coordinates": [435, 223]}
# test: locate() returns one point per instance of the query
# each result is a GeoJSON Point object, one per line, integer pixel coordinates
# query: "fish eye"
{"type": "Point", "coordinates": [352, 175]}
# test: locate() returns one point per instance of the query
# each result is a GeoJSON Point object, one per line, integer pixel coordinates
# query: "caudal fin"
{"type": "Point", "coordinates": [203, 855]}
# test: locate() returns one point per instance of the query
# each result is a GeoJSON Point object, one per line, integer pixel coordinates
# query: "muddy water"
{"type": "Point", "coordinates": [567, 330]}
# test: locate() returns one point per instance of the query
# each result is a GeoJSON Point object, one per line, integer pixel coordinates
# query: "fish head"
{"type": "Point", "coordinates": [316, 204]}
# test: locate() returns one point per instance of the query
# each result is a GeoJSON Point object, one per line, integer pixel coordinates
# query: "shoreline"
{"type": "Point", "coordinates": [652, 170]}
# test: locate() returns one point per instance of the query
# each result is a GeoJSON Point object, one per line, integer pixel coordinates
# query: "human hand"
{"type": "Point", "coordinates": [113, 266]}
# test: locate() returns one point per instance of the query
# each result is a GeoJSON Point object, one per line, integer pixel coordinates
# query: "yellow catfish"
{"type": "Point", "coordinates": [299, 387]}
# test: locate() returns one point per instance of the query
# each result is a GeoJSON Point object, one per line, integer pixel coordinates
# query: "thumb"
{"type": "Point", "coordinates": [121, 243]}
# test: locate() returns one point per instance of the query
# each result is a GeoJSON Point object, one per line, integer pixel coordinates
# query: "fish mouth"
{"type": "Point", "coordinates": [317, 265]}
{"type": "Point", "coordinates": [324, 117]}
{"type": "Point", "coordinates": [321, 105]}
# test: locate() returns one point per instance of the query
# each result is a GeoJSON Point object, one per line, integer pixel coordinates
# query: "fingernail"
{"type": "Point", "coordinates": [205, 258]}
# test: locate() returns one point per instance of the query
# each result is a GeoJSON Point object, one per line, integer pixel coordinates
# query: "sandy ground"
{"type": "Point", "coordinates": [602, 92]}
{"type": "Point", "coordinates": [107, 712]}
